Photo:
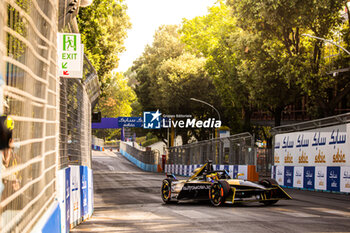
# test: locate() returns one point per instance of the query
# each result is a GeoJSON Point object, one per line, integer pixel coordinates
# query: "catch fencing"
{"type": "Point", "coordinates": [236, 149]}
{"type": "Point", "coordinates": [51, 114]}
{"type": "Point", "coordinates": [28, 32]}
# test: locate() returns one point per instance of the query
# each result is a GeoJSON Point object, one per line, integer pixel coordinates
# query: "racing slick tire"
{"type": "Point", "coordinates": [268, 183]}
{"type": "Point", "coordinates": [166, 192]}
{"type": "Point", "coordinates": [267, 203]}
{"type": "Point", "coordinates": [218, 192]}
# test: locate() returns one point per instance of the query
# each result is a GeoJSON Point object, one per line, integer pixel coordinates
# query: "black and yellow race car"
{"type": "Point", "coordinates": [218, 187]}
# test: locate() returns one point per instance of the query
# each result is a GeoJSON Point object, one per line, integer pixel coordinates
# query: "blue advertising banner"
{"type": "Point", "coordinates": [226, 167]}
{"type": "Point", "coordinates": [130, 122]}
{"type": "Point", "coordinates": [333, 179]}
{"type": "Point", "coordinates": [67, 196]}
{"type": "Point", "coordinates": [288, 176]}
{"type": "Point", "coordinates": [235, 171]}
{"type": "Point", "coordinates": [84, 191]}
{"type": "Point", "coordinates": [309, 177]}
{"type": "Point", "coordinates": [106, 123]}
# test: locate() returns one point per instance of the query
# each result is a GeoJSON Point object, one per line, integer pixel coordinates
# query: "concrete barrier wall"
{"type": "Point", "coordinates": [74, 201]}
{"type": "Point", "coordinates": [315, 159]}
{"type": "Point", "coordinates": [318, 178]}
{"type": "Point", "coordinates": [249, 171]}
{"type": "Point", "coordinates": [146, 160]}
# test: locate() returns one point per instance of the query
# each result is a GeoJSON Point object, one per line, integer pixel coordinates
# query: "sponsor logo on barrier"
{"type": "Point", "coordinates": [334, 184]}
{"type": "Point", "coordinates": [288, 158]}
{"type": "Point", "coordinates": [303, 158]}
{"type": "Point", "coordinates": [320, 174]}
{"type": "Point", "coordinates": [277, 159]}
{"type": "Point", "coordinates": [298, 173]}
{"type": "Point", "coordinates": [346, 175]}
{"type": "Point", "coordinates": [339, 157]}
{"type": "Point", "coordinates": [333, 175]}
{"type": "Point", "coordinates": [320, 157]}
{"type": "Point", "coordinates": [347, 185]}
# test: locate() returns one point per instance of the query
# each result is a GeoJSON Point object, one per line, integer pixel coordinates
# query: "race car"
{"type": "Point", "coordinates": [218, 187]}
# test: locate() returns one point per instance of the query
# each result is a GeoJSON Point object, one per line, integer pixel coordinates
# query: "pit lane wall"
{"type": "Point", "coordinates": [74, 201]}
{"type": "Point", "coordinates": [317, 159]}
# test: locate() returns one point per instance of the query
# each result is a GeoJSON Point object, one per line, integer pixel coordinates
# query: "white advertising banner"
{"type": "Point", "coordinates": [243, 169]}
{"type": "Point", "coordinates": [321, 178]}
{"type": "Point", "coordinates": [70, 55]}
{"type": "Point", "coordinates": [61, 197]}
{"type": "Point", "coordinates": [75, 195]}
{"type": "Point", "coordinates": [345, 179]}
{"type": "Point", "coordinates": [90, 192]}
{"type": "Point", "coordinates": [298, 177]}
{"type": "Point", "coordinates": [318, 147]}
{"type": "Point", "coordinates": [280, 175]}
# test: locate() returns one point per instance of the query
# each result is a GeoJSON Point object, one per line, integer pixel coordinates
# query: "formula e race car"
{"type": "Point", "coordinates": [218, 187]}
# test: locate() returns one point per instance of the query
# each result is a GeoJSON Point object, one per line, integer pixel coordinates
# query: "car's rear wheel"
{"type": "Point", "coordinates": [218, 192]}
{"type": "Point", "coordinates": [166, 191]}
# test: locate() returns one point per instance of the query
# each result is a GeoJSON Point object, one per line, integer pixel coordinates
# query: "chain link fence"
{"type": "Point", "coordinates": [237, 149]}
{"type": "Point", "coordinates": [28, 51]}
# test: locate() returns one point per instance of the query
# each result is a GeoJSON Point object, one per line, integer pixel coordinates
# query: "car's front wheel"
{"type": "Point", "coordinates": [218, 192]}
{"type": "Point", "coordinates": [166, 191]}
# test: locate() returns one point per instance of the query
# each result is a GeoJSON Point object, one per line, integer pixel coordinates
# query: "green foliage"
{"type": "Point", "coordinates": [116, 102]}
{"type": "Point", "coordinates": [103, 27]}
{"type": "Point", "coordinates": [150, 142]}
{"type": "Point", "coordinates": [167, 76]}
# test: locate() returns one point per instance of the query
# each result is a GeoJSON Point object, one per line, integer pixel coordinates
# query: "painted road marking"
{"type": "Point", "coordinates": [330, 211]}
{"type": "Point", "coordinates": [295, 213]}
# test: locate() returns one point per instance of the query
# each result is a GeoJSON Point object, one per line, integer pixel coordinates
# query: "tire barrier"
{"type": "Point", "coordinates": [249, 171]}
{"type": "Point", "coordinates": [316, 178]}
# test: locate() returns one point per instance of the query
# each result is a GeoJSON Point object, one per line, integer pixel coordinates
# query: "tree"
{"type": "Point", "coordinates": [116, 102]}
{"type": "Point", "coordinates": [103, 28]}
{"type": "Point", "coordinates": [167, 77]}
{"type": "Point", "coordinates": [283, 22]}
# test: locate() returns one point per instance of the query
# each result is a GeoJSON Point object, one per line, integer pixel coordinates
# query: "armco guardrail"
{"type": "Point", "coordinates": [146, 160]}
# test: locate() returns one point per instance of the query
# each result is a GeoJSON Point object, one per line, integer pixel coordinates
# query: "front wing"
{"type": "Point", "coordinates": [238, 195]}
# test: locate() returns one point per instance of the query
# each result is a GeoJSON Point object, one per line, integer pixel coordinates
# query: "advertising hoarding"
{"type": "Point", "coordinates": [318, 147]}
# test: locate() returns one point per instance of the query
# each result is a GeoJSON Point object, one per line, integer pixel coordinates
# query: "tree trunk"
{"type": "Point", "coordinates": [278, 116]}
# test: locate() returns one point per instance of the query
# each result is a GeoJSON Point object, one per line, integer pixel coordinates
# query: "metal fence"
{"type": "Point", "coordinates": [237, 149]}
{"type": "Point", "coordinates": [28, 49]}
{"type": "Point", "coordinates": [52, 115]}
{"type": "Point", "coordinates": [147, 157]}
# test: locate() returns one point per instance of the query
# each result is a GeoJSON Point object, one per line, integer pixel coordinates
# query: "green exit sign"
{"type": "Point", "coordinates": [70, 55]}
